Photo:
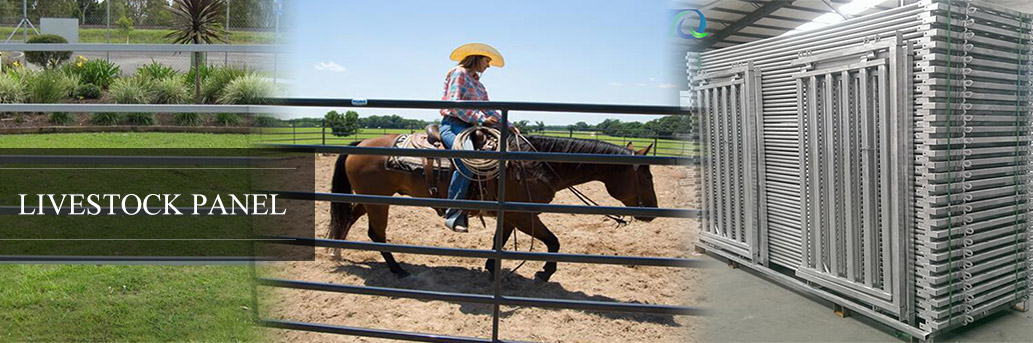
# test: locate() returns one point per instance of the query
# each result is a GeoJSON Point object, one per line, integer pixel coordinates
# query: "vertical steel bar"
{"type": "Point", "coordinates": [500, 219]}
{"type": "Point", "coordinates": [829, 159]}
{"type": "Point", "coordinates": [712, 138]}
{"type": "Point", "coordinates": [702, 170]}
{"type": "Point", "coordinates": [758, 199]}
{"type": "Point", "coordinates": [847, 168]}
{"type": "Point", "coordinates": [735, 160]}
{"type": "Point", "coordinates": [868, 181]}
{"type": "Point", "coordinates": [817, 220]}
{"type": "Point", "coordinates": [882, 81]}
{"type": "Point", "coordinates": [722, 174]}
{"type": "Point", "coordinates": [801, 117]}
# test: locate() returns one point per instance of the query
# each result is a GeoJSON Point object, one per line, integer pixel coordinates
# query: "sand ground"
{"type": "Point", "coordinates": [666, 237]}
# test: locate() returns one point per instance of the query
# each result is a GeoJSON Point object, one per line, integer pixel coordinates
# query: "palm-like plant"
{"type": "Point", "coordinates": [198, 21]}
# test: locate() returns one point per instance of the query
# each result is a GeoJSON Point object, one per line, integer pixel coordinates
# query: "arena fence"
{"type": "Point", "coordinates": [496, 299]}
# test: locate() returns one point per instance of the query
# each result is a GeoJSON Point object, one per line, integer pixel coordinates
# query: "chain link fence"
{"type": "Point", "coordinates": [248, 22]}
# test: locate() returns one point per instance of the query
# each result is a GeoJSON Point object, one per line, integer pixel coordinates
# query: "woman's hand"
{"type": "Point", "coordinates": [490, 121]}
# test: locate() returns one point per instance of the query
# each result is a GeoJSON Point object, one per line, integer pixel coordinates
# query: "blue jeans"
{"type": "Point", "coordinates": [459, 186]}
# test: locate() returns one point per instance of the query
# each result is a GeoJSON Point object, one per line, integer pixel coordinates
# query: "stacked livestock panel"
{"type": "Point", "coordinates": [882, 163]}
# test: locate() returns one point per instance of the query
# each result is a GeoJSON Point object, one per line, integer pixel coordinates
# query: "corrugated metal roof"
{"type": "Point", "coordinates": [784, 16]}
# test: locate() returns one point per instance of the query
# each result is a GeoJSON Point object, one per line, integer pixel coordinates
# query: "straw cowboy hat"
{"type": "Point", "coordinates": [479, 49]}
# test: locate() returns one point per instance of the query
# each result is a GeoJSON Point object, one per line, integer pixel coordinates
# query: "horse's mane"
{"type": "Point", "coordinates": [570, 145]}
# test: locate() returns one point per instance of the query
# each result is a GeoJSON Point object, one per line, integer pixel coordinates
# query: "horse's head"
{"type": "Point", "coordinates": [633, 185]}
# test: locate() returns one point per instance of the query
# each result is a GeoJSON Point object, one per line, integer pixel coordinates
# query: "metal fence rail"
{"type": "Point", "coordinates": [497, 299]}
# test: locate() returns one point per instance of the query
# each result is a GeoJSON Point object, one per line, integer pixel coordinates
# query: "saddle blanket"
{"type": "Point", "coordinates": [413, 164]}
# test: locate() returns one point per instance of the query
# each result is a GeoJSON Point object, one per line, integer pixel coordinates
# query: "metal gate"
{"type": "Point", "coordinates": [729, 120]}
{"type": "Point", "coordinates": [854, 148]}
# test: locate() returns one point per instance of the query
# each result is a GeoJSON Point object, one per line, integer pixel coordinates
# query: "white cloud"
{"type": "Point", "coordinates": [640, 84]}
{"type": "Point", "coordinates": [652, 79]}
{"type": "Point", "coordinates": [667, 85]}
{"type": "Point", "coordinates": [330, 66]}
{"type": "Point", "coordinates": [616, 84]}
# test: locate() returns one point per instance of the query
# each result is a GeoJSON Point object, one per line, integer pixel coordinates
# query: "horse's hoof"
{"type": "Point", "coordinates": [542, 276]}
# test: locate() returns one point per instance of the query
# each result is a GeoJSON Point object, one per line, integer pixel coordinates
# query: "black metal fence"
{"type": "Point", "coordinates": [496, 299]}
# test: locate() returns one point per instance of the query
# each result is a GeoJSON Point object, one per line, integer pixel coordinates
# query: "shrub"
{"type": "Point", "coordinates": [189, 119]}
{"type": "Point", "coordinates": [69, 82]}
{"type": "Point", "coordinates": [20, 73]}
{"type": "Point", "coordinates": [169, 91]}
{"type": "Point", "coordinates": [45, 87]}
{"type": "Point", "coordinates": [98, 72]}
{"type": "Point", "coordinates": [248, 90]}
{"type": "Point", "coordinates": [87, 91]}
{"type": "Point", "coordinates": [11, 90]}
{"type": "Point", "coordinates": [213, 86]}
{"type": "Point", "coordinates": [227, 119]}
{"type": "Point", "coordinates": [188, 77]}
{"type": "Point", "coordinates": [156, 71]}
{"type": "Point", "coordinates": [106, 118]}
{"type": "Point", "coordinates": [61, 118]}
{"type": "Point", "coordinates": [139, 119]}
{"type": "Point", "coordinates": [47, 59]}
{"type": "Point", "coordinates": [266, 121]}
{"type": "Point", "coordinates": [132, 90]}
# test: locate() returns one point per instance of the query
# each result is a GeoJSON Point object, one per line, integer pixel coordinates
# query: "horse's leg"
{"type": "Point", "coordinates": [378, 233]}
{"type": "Point", "coordinates": [357, 211]}
{"type": "Point", "coordinates": [507, 230]}
{"type": "Point", "coordinates": [530, 224]}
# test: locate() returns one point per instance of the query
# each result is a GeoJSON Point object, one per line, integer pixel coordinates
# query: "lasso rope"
{"type": "Point", "coordinates": [481, 169]}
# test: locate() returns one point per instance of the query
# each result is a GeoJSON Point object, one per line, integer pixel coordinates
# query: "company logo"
{"type": "Point", "coordinates": [679, 19]}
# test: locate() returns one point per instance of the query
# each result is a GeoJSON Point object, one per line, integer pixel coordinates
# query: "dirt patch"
{"type": "Point", "coordinates": [577, 233]}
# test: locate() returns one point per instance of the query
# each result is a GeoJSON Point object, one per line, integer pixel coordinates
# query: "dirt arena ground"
{"type": "Point", "coordinates": [586, 234]}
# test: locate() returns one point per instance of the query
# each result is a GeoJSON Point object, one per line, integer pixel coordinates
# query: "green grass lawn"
{"type": "Point", "coordinates": [151, 36]}
{"type": "Point", "coordinates": [126, 140]}
{"type": "Point", "coordinates": [88, 303]}
{"type": "Point", "coordinates": [91, 303]}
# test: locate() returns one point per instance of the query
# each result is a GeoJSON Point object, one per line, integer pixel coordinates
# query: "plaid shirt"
{"type": "Point", "coordinates": [461, 84]}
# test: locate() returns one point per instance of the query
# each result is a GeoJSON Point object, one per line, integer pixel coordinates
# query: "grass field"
{"type": "Point", "coordinates": [125, 140]}
{"type": "Point", "coordinates": [312, 135]}
{"type": "Point", "coordinates": [93, 303]}
{"type": "Point", "coordinates": [150, 36]}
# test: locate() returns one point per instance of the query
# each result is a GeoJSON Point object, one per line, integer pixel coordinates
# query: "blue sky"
{"type": "Point", "coordinates": [611, 52]}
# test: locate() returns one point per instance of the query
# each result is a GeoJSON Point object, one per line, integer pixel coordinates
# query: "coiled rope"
{"type": "Point", "coordinates": [481, 169]}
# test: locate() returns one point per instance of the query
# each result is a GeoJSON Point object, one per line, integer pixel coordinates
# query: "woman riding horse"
{"type": "Point", "coordinates": [463, 83]}
{"type": "Point", "coordinates": [537, 182]}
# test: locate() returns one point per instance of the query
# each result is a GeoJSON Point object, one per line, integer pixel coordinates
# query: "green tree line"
{"type": "Point", "coordinates": [671, 126]}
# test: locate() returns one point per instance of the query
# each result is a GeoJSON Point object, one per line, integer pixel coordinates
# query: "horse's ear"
{"type": "Point", "coordinates": [630, 146]}
{"type": "Point", "coordinates": [643, 151]}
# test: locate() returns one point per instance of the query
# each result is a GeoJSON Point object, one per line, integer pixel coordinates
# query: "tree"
{"type": "Point", "coordinates": [342, 125]}
{"type": "Point", "coordinates": [522, 125]}
{"type": "Point", "coordinates": [581, 126]}
{"type": "Point", "coordinates": [125, 27]}
{"type": "Point", "coordinates": [540, 126]}
{"type": "Point", "coordinates": [198, 21]}
{"type": "Point", "coordinates": [84, 7]}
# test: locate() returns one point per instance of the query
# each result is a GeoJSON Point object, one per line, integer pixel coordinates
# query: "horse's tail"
{"type": "Point", "coordinates": [341, 212]}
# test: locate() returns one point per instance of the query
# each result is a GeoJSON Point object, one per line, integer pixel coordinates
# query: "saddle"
{"type": "Point", "coordinates": [432, 168]}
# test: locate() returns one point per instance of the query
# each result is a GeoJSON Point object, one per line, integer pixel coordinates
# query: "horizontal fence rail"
{"type": "Point", "coordinates": [510, 206]}
{"type": "Point", "coordinates": [103, 47]}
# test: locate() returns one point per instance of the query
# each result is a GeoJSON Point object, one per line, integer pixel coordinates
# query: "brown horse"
{"type": "Point", "coordinates": [537, 182]}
